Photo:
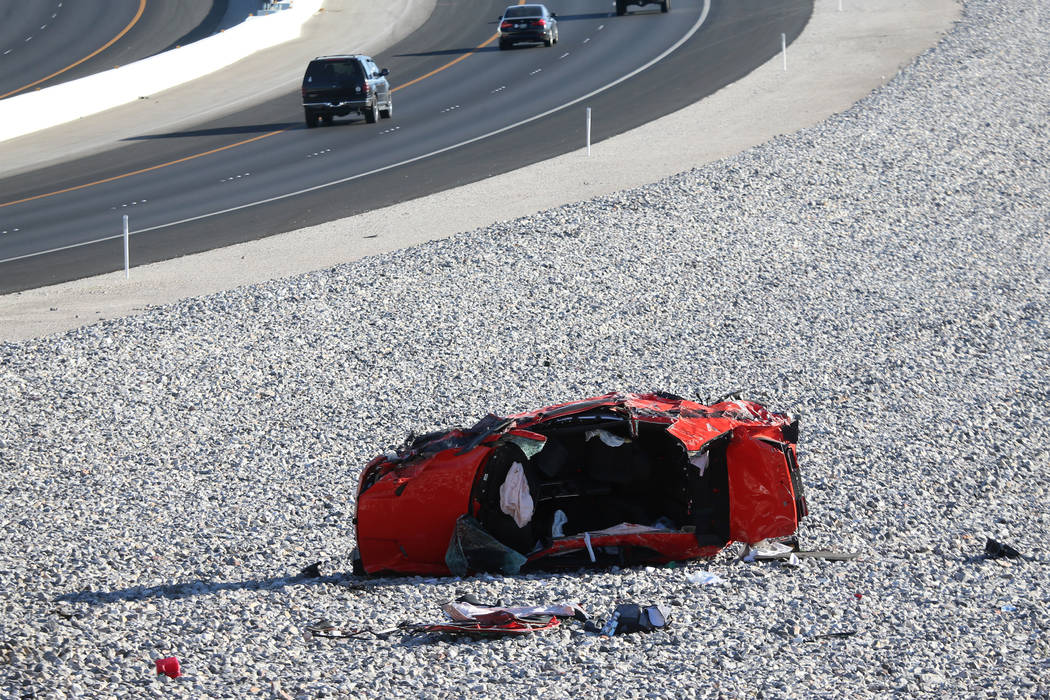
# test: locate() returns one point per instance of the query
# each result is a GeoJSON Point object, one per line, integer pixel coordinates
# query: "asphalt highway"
{"type": "Point", "coordinates": [463, 111]}
{"type": "Point", "coordinates": [46, 42]}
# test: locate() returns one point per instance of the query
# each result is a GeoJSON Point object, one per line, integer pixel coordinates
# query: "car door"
{"type": "Point", "coordinates": [380, 83]}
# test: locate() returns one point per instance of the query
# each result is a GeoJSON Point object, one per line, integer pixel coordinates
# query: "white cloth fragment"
{"type": "Point", "coordinates": [606, 437]}
{"type": "Point", "coordinates": [558, 527]}
{"type": "Point", "coordinates": [514, 497]}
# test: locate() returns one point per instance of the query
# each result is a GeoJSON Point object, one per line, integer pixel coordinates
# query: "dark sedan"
{"type": "Point", "coordinates": [528, 24]}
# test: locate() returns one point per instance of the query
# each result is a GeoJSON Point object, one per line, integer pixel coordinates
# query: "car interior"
{"type": "Point", "coordinates": [597, 475]}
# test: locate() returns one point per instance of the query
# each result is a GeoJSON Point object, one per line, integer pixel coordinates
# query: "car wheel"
{"type": "Point", "coordinates": [327, 119]}
{"type": "Point", "coordinates": [665, 6]}
{"type": "Point", "coordinates": [556, 37]}
{"type": "Point", "coordinates": [372, 115]}
{"type": "Point", "coordinates": [503, 45]}
{"type": "Point", "coordinates": [311, 119]}
{"type": "Point", "coordinates": [389, 111]}
{"type": "Point", "coordinates": [621, 7]}
{"type": "Point", "coordinates": [548, 40]}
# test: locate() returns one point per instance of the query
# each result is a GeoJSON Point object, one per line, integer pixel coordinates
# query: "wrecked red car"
{"type": "Point", "coordinates": [616, 479]}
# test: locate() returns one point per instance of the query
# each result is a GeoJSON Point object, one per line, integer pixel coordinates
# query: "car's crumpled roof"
{"type": "Point", "coordinates": [692, 423]}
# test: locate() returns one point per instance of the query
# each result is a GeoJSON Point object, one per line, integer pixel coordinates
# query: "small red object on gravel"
{"type": "Point", "coordinates": [169, 667]}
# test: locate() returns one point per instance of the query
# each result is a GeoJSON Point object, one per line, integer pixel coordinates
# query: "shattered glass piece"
{"type": "Point", "coordinates": [529, 446]}
{"type": "Point", "coordinates": [473, 549]}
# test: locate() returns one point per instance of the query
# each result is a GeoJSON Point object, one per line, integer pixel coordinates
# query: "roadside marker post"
{"type": "Point", "coordinates": [127, 272]}
{"type": "Point", "coordinates": [588, 131]}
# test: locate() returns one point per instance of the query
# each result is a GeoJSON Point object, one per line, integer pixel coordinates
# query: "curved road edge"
{"type": "Point", "coordinates": [368, 26]}
{"type": "Point", "coordinates": [34, 111]}
{"type": "Point", "coordinates": [839, 58]}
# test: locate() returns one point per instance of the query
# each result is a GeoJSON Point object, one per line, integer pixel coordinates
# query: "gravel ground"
{"type": "Point", "coordinates": [885, 274]}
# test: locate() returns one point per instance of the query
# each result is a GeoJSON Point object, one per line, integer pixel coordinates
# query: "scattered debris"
{"type": "Point", "coordinates": [999, 550]}
{"type": "Point", "coordinates": [325, 629]}
{"type": "Point", "coordinates": [830, 635]}
{"type": "Point", "coordinates": [775, 550]}
{"type": "Point", "coordinates": [312, 571]}
{"type": "Point", "coordinates": [631, 617]}
{"type": "Point", "coordinates": [168, 667]}
{"type": "Point", "coordinates": [497, 624]}
{"type": "Point", "coordinates": [704, 578]}
{"type": "Point", "coordinates": [468, 617]}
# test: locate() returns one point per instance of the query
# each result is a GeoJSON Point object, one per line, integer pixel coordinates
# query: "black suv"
{"type": "Point", "coordinates": [335, 86]}
{"type": "Point", "coordinates": [621, 5]}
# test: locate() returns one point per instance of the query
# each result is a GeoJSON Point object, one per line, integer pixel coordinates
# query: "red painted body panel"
{"type": "Point", "coordinates": [408, 504]}
{"type": "Point", "coordinates": [420, 519]}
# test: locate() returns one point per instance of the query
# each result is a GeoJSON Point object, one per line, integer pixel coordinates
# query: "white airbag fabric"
{"type": "Point", "coordinates": [514, 497]}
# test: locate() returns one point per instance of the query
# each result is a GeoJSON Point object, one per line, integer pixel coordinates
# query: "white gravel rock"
{"type": "Point", "coordinates": [884, 273]}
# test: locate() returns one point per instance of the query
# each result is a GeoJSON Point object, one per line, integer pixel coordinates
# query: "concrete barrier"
{"type": "Point", "coordinates": [33, 111]}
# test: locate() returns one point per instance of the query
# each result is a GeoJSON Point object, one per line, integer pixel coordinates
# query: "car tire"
{"type": "Point", "coordinates": [326, 119]}
{"type": "Point", "coordinates": [556, 37]}
{"type": "Point", "coordinates": [621, 7]}
{"type": "Point", "coordinates": [548, 40]}
{"type": "Point", "coordinates": [372, 114]}
{"type": "Point", "coordinates": [311, 118]}
{"type": "Point", "coordinates": [389, 111]}
{"type": "Point", "coordinates": [665, 6]}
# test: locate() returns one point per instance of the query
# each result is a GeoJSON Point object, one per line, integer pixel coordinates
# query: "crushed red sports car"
{"type": "Point", "coordinates": [616, 479]}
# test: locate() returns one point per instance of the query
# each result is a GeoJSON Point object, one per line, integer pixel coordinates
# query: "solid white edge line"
{"type": "Point", "coordinates": [667, 52]}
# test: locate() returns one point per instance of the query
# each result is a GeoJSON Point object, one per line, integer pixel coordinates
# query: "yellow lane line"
{"type": "Point", "coordinates": [132, 23]}
{"type": "Point", "coordinates": [239, 143]}
{"type": "Point", "coordinates": [139, 172]}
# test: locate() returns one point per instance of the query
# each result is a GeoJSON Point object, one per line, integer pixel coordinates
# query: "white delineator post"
{"type": "Point", "coordinates": [127, 273]}
{"type": "Point", "coordinates": [588, 131]}
{"type": "Point", "coordinates": [784, 49]}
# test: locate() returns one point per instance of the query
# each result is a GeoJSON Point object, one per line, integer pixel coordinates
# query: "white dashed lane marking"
{"type": "Point", "coordinates": [319, 153]}
{"type": "Point", "coordinates": [450, 109]}
{"type": "Point", "coordinates": [129, 204]}
{"type": "Point", "coordinates": [389, 131]}
{"type": "Point", "coordinates": [501, 88]}
{"type": "Point", "coordinates": [235, 177]}
{"type": "Point", "coordinates": [538, 70]}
